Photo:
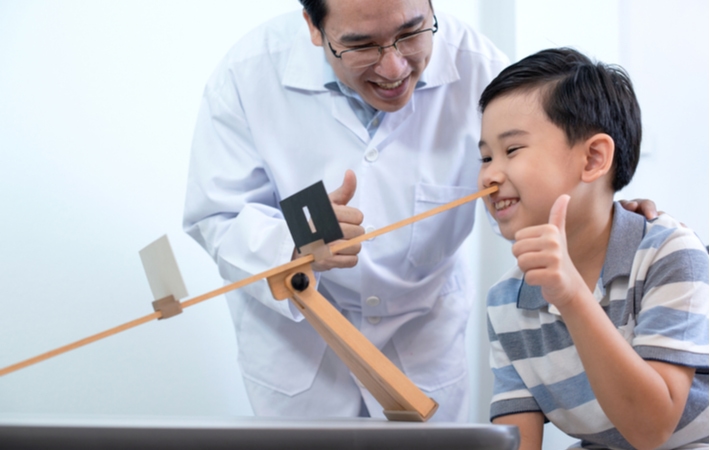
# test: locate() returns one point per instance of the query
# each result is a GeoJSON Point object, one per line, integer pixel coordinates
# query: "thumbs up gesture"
{"type": "Point", "coordinates": [542, 255]}
{"type": "Point", "coordinates": [350, 219]}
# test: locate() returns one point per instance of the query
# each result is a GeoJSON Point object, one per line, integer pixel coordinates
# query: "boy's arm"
{"type": "Point", "coordinates": [644, 400]}
{"type": "Point", "coordinates": [530, 425]}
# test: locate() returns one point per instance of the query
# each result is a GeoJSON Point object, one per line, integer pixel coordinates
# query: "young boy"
{"type": "Point", "coordinates": [602, 328]}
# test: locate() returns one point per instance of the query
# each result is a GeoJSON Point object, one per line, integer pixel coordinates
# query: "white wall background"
{"type": "Point", "coordinates": [97, 105]}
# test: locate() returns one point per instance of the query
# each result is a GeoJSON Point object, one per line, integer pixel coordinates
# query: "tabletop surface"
{"type": "Point", "coordinates": [109, 432]}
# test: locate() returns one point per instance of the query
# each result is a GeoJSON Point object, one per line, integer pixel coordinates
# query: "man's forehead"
{"type": "Point", "coordinates": [355, 19]}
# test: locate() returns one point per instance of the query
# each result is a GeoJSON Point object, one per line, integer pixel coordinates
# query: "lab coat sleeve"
{"type": "Point", "coordinates": [231, 205]}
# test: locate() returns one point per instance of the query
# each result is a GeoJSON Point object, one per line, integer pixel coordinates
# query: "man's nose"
{"type": "Point", "coordinates": [392, 65]}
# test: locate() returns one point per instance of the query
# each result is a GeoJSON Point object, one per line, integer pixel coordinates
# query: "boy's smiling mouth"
{"type": "Point", "coordinates": [502, 204]}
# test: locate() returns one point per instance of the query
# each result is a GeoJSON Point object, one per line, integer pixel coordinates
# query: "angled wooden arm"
{"type": "Point", "coordinates": [401, 399]}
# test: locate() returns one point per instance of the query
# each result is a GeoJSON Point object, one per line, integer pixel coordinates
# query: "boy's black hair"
{"type": "Point", "coordinates": [582, 98]}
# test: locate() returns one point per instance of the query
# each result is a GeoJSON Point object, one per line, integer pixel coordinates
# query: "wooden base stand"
{"type": "Point", "coordinates": [401, 399]}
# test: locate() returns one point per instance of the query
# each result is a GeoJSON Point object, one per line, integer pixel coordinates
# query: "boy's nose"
{"type": "Point", "coordinates": [490, 176]}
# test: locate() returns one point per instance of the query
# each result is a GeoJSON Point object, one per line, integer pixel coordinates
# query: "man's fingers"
{"type": "Point", "coordinates": [346, 191]}
{"type": "Point", "coordinates": [351, 231]}
{"type": "Point", "coordinates": [641, 206]}
{"type": "Point", "coordinates": [338, 261]}
{"type": "Point", "coordinates": [347, 214]}
{"type": "Point", "coordinates": [354, 249]}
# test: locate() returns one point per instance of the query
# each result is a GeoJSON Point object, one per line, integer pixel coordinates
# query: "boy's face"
{"type": "Point", "coordinates": [528, 158]}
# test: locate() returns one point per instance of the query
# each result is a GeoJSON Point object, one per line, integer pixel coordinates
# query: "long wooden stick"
{"type": "Point", "coordinates": [336, 247]}
{"type": "Point", "coordinates": [80, 343]}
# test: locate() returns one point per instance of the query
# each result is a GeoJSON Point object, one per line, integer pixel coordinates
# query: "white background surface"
{"type": "Point", "coordinates": [97, 105]}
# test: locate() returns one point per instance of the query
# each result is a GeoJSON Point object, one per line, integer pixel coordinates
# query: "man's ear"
{"type": "Point", "coordinates": [316, 36]}
{"type": "Point", "coordinates": [599, 154]}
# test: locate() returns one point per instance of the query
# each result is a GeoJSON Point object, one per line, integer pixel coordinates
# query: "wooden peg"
{"type": "Point", "coordinates": [319, 249]}
{"type": "Point", "coordinates": [168, 307]}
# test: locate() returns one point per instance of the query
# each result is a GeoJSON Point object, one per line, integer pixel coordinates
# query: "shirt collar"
{"type": "Point", "coordinates": [627, 231]}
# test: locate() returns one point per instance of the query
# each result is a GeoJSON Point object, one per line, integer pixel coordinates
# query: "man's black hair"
{"type": "Point", "coordinates": [582, 98]}
{"type": "Point", "coordinates": [317, 10]}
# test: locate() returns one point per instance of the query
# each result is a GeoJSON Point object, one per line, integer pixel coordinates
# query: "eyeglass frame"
{"type": "Point", "coordinates": [381, 48]}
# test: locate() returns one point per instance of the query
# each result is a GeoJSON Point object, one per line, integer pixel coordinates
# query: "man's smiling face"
{"type": "Point", "coordinates": [388, 84]}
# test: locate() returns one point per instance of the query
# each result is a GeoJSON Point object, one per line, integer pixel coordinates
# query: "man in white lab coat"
{"type": "Point", "coordinates": [378, 99]}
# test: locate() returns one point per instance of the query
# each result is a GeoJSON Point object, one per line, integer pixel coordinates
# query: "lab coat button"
{"type": "Point", "coordinates": [372, 301]}
{"type": "Point", "coordinates": [370, 229]}
{"type": "Point", "coordinates": [372, 154]}
{"type": "Point", "coordinates": [374, 320]}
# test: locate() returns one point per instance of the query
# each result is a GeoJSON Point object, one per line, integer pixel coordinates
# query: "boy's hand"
{"type": "Point", "coordinates": [542, 255]}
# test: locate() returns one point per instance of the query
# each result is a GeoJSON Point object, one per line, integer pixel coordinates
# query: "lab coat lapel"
{"type": "Point", "coordinates": [305, 69]}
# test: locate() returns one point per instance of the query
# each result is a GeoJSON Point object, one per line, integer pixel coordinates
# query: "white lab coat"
{"type": "Point", "coordinates": [266, 129]}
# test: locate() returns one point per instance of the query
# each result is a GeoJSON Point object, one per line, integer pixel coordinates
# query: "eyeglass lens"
{"type": "Point", "coordinates": [408, 46]}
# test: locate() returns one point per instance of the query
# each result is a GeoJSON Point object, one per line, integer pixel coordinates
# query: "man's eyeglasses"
{"type": "Point", "coordinates": [407, 45]}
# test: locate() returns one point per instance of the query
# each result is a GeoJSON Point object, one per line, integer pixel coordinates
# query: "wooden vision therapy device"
{"type": "Point", "coordinates": [313, 226]}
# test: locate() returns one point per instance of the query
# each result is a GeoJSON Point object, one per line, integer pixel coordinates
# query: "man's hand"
{"type": "Point", "coordinates": [641, 206]}
{"type": "Point", "coordinates": [542, 254]}
{"type": "Point", "coordinates": [350, 219]}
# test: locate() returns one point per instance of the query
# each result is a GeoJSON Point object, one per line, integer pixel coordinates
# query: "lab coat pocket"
{"type": "Point", "coordinates": [277, 352]}
{"type": "Point", "coordinates": [439, 236]}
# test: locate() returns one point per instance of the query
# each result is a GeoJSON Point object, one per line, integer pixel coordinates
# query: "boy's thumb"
{"type": "Point", "coordinates": [558, 213]}
{"type": "Point", "coordinates": [346, 191]}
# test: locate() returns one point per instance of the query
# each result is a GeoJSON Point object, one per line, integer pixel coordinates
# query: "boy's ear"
{"type": "Point", "coordinates": [316, 36]}
{"type": "Point", "coordinates": [599, 154]}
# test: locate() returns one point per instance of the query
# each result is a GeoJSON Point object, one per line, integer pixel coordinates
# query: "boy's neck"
{"type": "Point", "coordinates": [588, 239]}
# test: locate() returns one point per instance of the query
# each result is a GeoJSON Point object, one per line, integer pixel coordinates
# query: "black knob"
{"type": "Point", "coordinates": [300, 281]}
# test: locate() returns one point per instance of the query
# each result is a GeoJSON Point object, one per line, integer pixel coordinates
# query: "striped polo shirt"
{"type": "Point", "coordinates": [654, 288]}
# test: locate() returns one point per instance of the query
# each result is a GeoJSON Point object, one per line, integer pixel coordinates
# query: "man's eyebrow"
{"type": "Point", "coordinates": [505, 134]}
{"type": "Point", "coordinates": [355, 37]}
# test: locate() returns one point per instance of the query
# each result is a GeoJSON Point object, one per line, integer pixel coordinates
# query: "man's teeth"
{"type": "Point", "coordinates": [504, 204]}
{"type": "Point", "coordinates": [390, 85]}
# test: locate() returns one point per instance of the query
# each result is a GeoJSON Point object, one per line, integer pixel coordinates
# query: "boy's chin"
{"type": "Point", "coordinates": [507, 232]}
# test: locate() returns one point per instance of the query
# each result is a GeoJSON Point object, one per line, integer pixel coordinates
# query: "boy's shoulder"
{"type": "Point", "coordinates": [670, 252]}
{"type": "Point", "coordinates": [506, 289]}
{"type": "Point", "coordinates": [665, 228]}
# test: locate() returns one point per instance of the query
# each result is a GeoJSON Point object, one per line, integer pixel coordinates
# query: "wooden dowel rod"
{"type": "Point", "coordinates": [80, 343]}
{"type": "Point", "coordinates": [241, 283]}
{"type": "Point", "coordinates": [439, 209]}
